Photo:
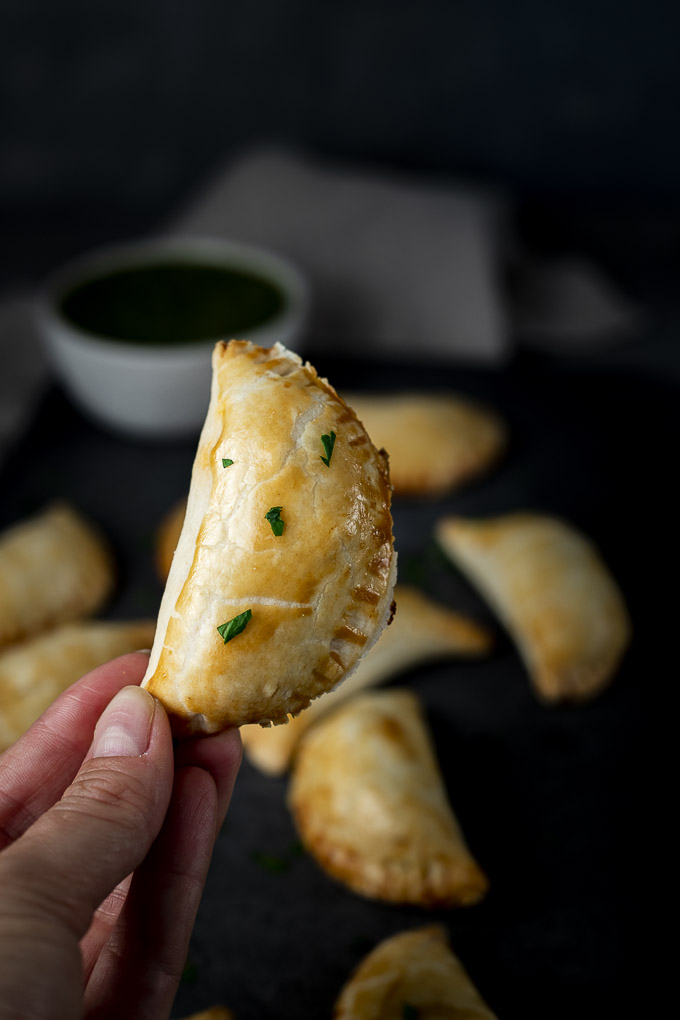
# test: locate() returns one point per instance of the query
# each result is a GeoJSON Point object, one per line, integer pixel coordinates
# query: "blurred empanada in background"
{"type": "Point", "coordinates": [34, 673]}
{"type": "Point", "coordinates": [413, 974]}
{"type": "Point", "coordinates": [552, 591]}
{"type": "Point", "coordinates": [54, 568]}
{"type": "Point", "coordinates": [167, 537]}
{"type": "Point", "coordinates": [435, 442]}
{"type": "Point", "coordinates": [370, 805]}
{"type": "Point", "coordinates": [422, 630]}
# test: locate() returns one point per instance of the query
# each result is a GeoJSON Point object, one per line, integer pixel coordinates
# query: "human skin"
{"type": "Point", "coordinates": [106, 836]}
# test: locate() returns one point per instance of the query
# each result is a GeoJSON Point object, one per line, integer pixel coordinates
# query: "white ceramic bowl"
{"type": "Point", "coordinates": [157, 390]}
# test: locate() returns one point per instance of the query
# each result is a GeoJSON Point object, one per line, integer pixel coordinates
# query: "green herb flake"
{"type": "Point", "coordinates": [278, 863]}
{"type": "Point", "coordinates": [190, 973]}
{"type": "Point", "coordinates": [274, 518]}
{"type": "Point", "coordinates": [270, 862]}
{"type": "Point", "coordinates": [408, 1012]}
{"type": "Point", "coordinates": [233, 627]}
{"type": "Point", "coordinates": [328, 444]}
{"type": "Point", "coordinates": [412, 569]}
{"type": "Point", "coordinates": [226, 462]}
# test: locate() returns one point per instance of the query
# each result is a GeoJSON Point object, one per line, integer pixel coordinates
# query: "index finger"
{"type": "Point", "coordinates": [35, 772]}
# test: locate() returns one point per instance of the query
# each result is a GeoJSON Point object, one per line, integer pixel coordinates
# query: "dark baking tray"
{"type": "Point", "coordinates": [547, 796]}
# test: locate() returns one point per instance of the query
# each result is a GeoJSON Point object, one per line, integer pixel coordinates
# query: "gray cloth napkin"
{"type": "Point", "coordinates": [396, 268]}
{"type": "Point", "coordinates": [404, 267]}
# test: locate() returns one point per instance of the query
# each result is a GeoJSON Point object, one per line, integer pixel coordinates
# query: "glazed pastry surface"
{"type": "Point", "coordinates": [370, 805]}
{"type": "Point", "coordinates": [298, 550]}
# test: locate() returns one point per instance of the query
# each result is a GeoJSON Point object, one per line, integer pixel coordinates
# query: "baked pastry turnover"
{"type": "Point", "coordinates": [285, 567]}
{"type": "Point", "coordinates": [435, 442]}
{"type": "Point", "coordinates": [552, 591]}
{"type": "Point", "coordinates": [421, 631]}
{"type": "Point", "coordinates": [34, 673]}
{"type": "Point", "coordinates": [370, 805]}
{"type": "Point", "coordinates": [54, 568]}
{"type": "Point", "coordinates": [413, 974]}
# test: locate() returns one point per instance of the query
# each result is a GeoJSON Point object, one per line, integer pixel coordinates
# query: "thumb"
{"type": "Point", "coordinates": [60, 870]}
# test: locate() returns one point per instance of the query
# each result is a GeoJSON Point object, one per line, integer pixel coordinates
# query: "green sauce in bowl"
{"type": "Point", "coordinates": [173, 302]}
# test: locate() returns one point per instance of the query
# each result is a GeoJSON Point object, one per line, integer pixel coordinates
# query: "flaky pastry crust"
{"type": "Point", "coordinates": [415, 974]}
{"type": "Point", "coordinates": [551, 589]}
{"type": "Point", "coordinates": [370, 805]}
{"type": "Point", "coordinates": [319, 592]}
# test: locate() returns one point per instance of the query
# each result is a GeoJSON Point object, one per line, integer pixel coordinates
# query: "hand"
{"type": "Point", "coordinates": [105, 841]}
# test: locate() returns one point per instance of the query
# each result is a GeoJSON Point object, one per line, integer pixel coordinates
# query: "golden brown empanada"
{"type": "Point", "coordinates": [422, 630]}
{"type": "Point", "coordinates": [34, 673]}
{"type": "Point", "coordinates": [413, 974]}
{"type": "Point", "coordinates": [284, 571]}
{"type": "Point", "coordinates": [53, 568]}
{"type": "Point", "coordinates": [434, 441]}
{"type": "Point", "coordinates": [215, 1013]}
{"type": "Point", "coordinates": [370, 805]}
{"type": "Point", "coordinates": [553, 593]}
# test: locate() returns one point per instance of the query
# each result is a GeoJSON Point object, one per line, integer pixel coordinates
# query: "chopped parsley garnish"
{"type": "Point", "coordinates": [274, 518]}
{"type": "Point", "coordinates": [328, 444]}
{"type": "Point", "coordinates": [226, 462]}
{"type": "Point", "coordinates": [233, 627]}
{"type": "Point", "coordinates": [408, 1012]}
{"type": "Point", "coordinates": [278, 862]}
{"type": "Point", "coordinates": [190, 973]}
{"type": "Point", "coordinates": [270, 862]}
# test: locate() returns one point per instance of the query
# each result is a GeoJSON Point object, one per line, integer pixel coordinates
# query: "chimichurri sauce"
{"type": "Point", "coordinates": [172, 303]}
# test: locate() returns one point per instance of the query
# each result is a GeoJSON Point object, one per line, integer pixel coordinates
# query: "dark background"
{"type": "Point", "coordinates": [111, 115]}
{"type": "Point", "coordinates": [113, 112]}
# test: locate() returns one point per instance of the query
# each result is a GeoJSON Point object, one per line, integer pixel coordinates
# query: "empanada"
{"type": "Point", "coordinates": [552, 591]}
{"type": "Point", "coordinates": [370, 805]}
{"type": "Point", "coordinates": [434, 441]}
{"type": "Point", "coordinates": [421, 631]}
{"type": "Point", "coordinates": [34, 673]}
{"type": "Point", "coordinates": [413, 974]}
{"type": "Point", "coordinates": [284, 571]}
{"type": "Point", "coordinates": [53, 568]}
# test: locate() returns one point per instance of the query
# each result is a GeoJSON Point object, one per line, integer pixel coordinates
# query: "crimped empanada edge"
{"type": "Point", "coordinates": [199, 500]}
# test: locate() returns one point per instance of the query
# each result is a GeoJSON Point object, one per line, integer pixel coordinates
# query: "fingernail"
{"type": "Point", "coordinates": [124, 728]}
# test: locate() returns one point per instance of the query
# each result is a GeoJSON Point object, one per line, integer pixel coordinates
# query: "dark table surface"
{"type": "Point", "coordinates": [549, 797]}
